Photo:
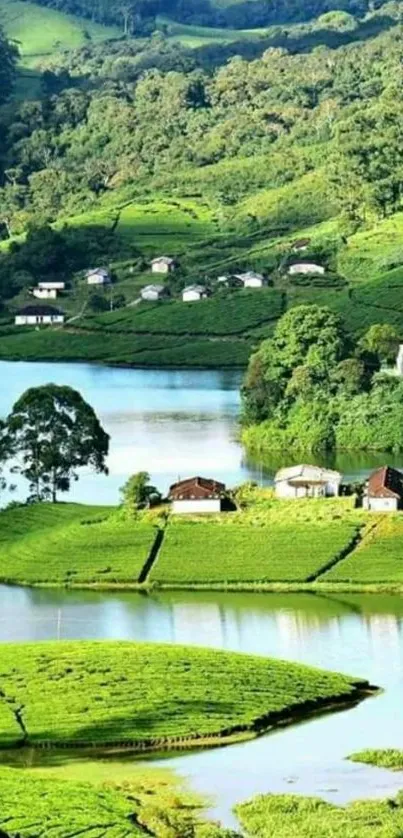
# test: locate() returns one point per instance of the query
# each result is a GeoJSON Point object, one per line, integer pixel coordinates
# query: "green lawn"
{"type": "Point", "coordinates": [69, 544]}
{"type": "Point", "coordinates": [206, 552]}
{"type": "Point", "coordinates": [377, 559]}
{"type": "Point", "coordinates": [41, 32]}
{"type": "Point", "coordinates": [105, 693]}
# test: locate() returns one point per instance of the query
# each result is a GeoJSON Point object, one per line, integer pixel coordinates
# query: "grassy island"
{"type": "Point", "coordinates": [151, 696]}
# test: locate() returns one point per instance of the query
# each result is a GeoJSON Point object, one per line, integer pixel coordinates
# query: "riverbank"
{"type": "Point", "coordinates": [268, 545]}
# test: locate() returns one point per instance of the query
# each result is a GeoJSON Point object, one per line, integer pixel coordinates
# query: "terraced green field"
{"type": "Point", "coordinates": [71, 344]}
{"type": "Point", "coordinates": [105, 693]}
{"type": "Point", "coordinates": [197, 553]}
{"type": "Point", "coordinates": [226, 314]}
{"type": "Point", "coordinates": [71, 545]}
{"type": "Point", "coordinates": [377, 559]}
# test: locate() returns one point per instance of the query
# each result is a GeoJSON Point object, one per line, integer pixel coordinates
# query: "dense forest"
{"type": "Point", "coordinates": [250, 13]}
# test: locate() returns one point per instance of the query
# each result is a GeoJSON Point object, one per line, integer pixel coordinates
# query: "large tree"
{"type": "Point", "coordinates": [54, 432]}
{"type": "Point", "coordinates": [8, 59]}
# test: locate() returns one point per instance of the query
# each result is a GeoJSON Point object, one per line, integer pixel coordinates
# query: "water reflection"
{"type": "Point", "coordinates": [357, 634]}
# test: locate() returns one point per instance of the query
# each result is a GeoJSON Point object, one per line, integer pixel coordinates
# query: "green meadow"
{"type": "Point", "coordinates": [41, 32]}
{"type": "Point", "coordinates": [378, 557]}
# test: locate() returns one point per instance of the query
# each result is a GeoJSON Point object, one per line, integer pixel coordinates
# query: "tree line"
{"type": "Point", "coordinates": [310, 387]}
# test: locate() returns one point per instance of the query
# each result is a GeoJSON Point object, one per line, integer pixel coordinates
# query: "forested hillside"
{"type": "Point", "coordinates": [216, 146]}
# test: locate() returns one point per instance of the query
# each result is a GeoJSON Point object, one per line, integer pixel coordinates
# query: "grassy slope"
{"type": "Point", "coordinates": [69, 544]}
{"type": "Point", "coordinates": [206, 552]}
{"type": "Point", "coordinates": [109, 693]}
{"type": "Point", "coordinates": [41, 32]}
{"type": "Point", "coordinates": [378, 558]}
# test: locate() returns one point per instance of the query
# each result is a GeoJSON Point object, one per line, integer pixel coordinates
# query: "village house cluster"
{"type": "Point", "coordinates": [37, 315]}
{"type": "Point", "coordinates": [383, 491]}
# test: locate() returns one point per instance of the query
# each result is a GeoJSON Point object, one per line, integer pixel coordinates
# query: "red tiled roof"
{"type": "Point", "coordinates": [196, 488]}
{"type": "Point", "coordinates": [385, 482]}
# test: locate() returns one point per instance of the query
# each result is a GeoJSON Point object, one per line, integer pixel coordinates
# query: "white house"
{"type": "Point", "coordinates": [196, 494]}
{"type": "Point", "coordinates": [384, 490]}
{"type": "Point", "coordinates": [300, 245]}
{"type": "Point", "coordinates": [307, 482]}
{"type": "Point", "coordinates": [194, 292]}
{"type": "Point", "coordinates": [399, 361]}
{"type": "Point", "coordinates": [250, 279]}
{"type": "Point", "coordinates": [154, 292]}
{"type": "Point", "coordinates": [162, 265]}
{"type": "Point", "coordinates": [52, 286]}
{"type": "Point", "coordinates": [38, 315]}
{"type": "Point", "coordinates": [306, 268]}
{"type": "Point", "coordinates": [44, 293]}
{"type": "Point", "coordinates": [98, 276]}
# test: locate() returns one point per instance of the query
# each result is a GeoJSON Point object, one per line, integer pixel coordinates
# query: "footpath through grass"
{"type": "Point", "coordinates": [152, 695]}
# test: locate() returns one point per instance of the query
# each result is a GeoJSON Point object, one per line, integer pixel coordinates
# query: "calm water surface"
{"type": "Point", "coordinates": [170, 423]}
{"type": "Point", "coordinates": [174, 423]}
{"type": "Point", "coordinates": [359, 635]}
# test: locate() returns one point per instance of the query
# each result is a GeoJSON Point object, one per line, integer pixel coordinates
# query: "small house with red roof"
{"type": "Point", "coordinates": [384, 490]}
{"type": "Point", "coordinates": [197, 494]}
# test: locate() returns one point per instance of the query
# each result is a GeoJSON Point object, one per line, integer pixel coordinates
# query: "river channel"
{"type": "Point", "coordinates": [175, 423]}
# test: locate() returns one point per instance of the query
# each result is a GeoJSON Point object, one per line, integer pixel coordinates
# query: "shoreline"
{"type": "Point", "coordinates": [264, 725]}
{"type": "Point", "coordinates": [223, 587]}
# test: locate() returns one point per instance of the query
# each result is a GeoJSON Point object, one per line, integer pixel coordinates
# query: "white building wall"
{"type": "Point", "coordinates": [45, 293]}
{"type": "Point", "coordinates": [254, 282]}
{"type": "Point", "coordinates": [160, 268]}
{"type": "Point", "coordinates": [306, 268]}
{"type": "Point", "coordinates": [150, 296]}
{"type": "Point", "coordinates": [96, 279]}
{"type": "Point", "coordinates": [382, 504]}
{"type": "Point", "coordinates": [187, 507]}
{"type": "Point", "coordinates": [191, 296]}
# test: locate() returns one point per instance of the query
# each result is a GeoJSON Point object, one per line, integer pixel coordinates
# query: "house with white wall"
{"type": "Point", "coordinates": [153, 293]}
{"type": "Point", "coordinates": [98, 276]}
{"type": "Point", "coordinates": [192, 293]}
{"type": "Point", "coordinates": [38, 316]}
{"type": "Point", "coordinates": [250, 279]}
{"type": "Point", "coordinates": [163, 265]}
{"type": "Point", "coordinates": [197, 495]}
{"type": "Point", "coordinates": [44, 293]}
{"type": "Point", "coordinates": [305, 481]}
{"type": "Point", "coordinates": [384, 490]}
{"type": "Point", "coordinates": [306, 268]}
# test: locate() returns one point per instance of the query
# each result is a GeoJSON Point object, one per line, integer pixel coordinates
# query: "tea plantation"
{"type": "Point", "coordinates": [69, 544]}
{"type": "Point", "coordinates": [293, 816]}
{"type": "Point", "coordinates": [377, 559]}
{"type": "Point", "coordinates": [206, 552]}
{"type": "Point", "coordinates": [140, 694]}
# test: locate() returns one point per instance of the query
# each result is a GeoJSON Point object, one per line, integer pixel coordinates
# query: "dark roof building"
{"type": "Point", "coordinates": [40, 311]}
{"type": "Point", "coordinates": [386, 482]}
{"type": "Point", "coordinates": [196, 488]}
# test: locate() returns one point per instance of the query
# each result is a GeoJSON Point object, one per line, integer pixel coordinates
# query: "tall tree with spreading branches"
{"type": "Point", "coordinates": [54, 432]}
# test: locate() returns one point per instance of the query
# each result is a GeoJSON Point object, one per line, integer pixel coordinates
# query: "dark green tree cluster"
{"type": "Point", "coordinates": [309, 388]}
{"type": "Point", "coordinates": [49, 435]}
{"type": "Point", "coordinates": [8, 60]}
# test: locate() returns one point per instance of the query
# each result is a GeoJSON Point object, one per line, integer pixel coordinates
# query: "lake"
{"type": "Point", "coordinates": [357, 634]}
{"type": "Point", "coordinates": [176, 423]}
{"type": "Point", "coordinates": [171, 423]}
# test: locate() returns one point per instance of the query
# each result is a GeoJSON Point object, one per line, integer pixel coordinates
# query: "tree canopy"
{"type": "Point", "coordinates": [54, 432]}
{"type": "Point", "coordinates": [310, 388]}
